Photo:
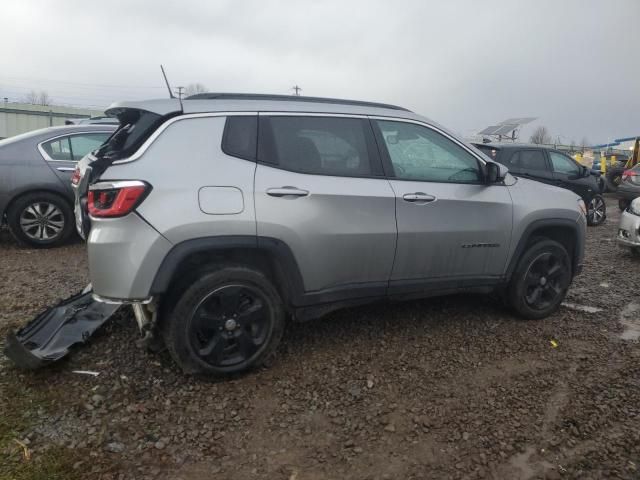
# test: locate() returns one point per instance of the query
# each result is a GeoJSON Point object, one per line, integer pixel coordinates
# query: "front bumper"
{"type": "Point", "coordinates": [629, 230]}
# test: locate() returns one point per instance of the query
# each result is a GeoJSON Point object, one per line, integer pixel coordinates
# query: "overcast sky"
{"type": "Point", "coordinates": [574, 64]}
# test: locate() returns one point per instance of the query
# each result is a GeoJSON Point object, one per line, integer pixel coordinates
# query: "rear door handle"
{"type": "Point", "coordinates": [65, 169]}
{"type": "Point", "coordinates": [287, 192]}
{"type": "Point", "coordinates": [418, 197]}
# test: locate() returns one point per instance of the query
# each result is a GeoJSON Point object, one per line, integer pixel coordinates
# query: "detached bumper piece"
{"type": "Point", "coordinates": [50, 335]}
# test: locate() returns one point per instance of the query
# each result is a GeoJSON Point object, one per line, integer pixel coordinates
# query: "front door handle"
{"type": "Point", "coordinates": [287, 192]}
{"type": "Point", "coordinates": [418, 197]}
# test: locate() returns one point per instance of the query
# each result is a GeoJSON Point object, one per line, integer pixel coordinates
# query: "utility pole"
{"type": "Point", "coordinates": [296, 89]}
{"type": "Point", "coordinates": [179, 92]}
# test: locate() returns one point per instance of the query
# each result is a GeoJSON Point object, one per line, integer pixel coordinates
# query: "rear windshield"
{"type": "Point", "coordinates": [135, 127]}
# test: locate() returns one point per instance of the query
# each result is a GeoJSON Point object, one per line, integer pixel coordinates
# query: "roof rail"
{"type": "Point", "coordinates": [289, 98]}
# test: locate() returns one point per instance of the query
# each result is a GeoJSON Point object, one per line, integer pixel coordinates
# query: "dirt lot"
{"type": "Point", "coordinates": [445, 388]}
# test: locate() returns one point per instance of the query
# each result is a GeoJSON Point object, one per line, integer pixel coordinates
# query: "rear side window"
{"type": "Point", "coordinates": [58, 149]}
{"type": "Point", "coordinates": [240, 137]}
{"type": "Point", "coordinates": [319, 145]}
{"type": "Point", "coordinates": [528, 160]}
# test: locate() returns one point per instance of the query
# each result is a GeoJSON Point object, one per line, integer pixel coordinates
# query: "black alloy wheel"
{"type": "Point", "coordinates": [545, 281]}
{"type": "Point", "coordinates": [541, 279]}
{"type": "Point", "coordinates": [230, 325]}
{"type": "Point", "coordinates": [228, 319]}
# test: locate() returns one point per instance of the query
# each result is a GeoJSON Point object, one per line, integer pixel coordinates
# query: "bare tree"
{"type": "Point", "coordinates": [37, 98]}
{"type": "Point", "coordinates": [44, 98]}
{"type": "Point", "coordinates": [540, 135]}
{"type": "Point", "coordinates": [194, 88]}
{"type": "Point", "coordinates": [31, 97]}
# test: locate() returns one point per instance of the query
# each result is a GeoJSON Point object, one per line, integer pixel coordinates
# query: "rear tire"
{"type": "Point", "coordinates": [541, 279]}
{"type": "Point", "coordinates": [40, 220]}
{"type": "Point", "coordinates": [596, 211]}
{"type": "Point", "coordinates": [228, 321]}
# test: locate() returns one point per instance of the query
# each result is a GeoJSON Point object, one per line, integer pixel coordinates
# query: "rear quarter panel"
{"type": "Point", "coordinates": [22, 169]}
{"type": "Point", "coordinates": [185, 165]}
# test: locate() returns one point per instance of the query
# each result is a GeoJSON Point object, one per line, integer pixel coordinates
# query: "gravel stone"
{"type": "Point", "coordinates": [453, 387]}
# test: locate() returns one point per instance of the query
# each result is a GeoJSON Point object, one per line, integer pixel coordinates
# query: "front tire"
{"type": "Point", "coordinates": [228, 321]}
{"type": "Point", "coordinates": [541, 279]}
{"type": "Point", "coordinates": [596, 211]}
{"type": "Point", "coordinates": [40, 220]}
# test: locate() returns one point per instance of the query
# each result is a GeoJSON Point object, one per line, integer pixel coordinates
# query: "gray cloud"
{"type": "Point", "coordinates": [465, 64]}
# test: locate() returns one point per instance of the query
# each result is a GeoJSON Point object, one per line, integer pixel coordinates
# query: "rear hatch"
{"type": "Point", "coordinates": [136, 125]}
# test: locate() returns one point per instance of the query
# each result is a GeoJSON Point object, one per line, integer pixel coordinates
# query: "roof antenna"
{"type": "Point", "coordinates": [167, 82]}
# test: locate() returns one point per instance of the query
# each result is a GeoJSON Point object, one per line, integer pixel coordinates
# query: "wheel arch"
{"type": "Point", "coordinates": [564, 231]}
{"type": "Point", "coordinates": [186, 260]}
{"type": "Point", "coordinates": [16, 195]}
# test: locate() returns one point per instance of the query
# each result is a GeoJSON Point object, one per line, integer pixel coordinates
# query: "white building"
{"type": "Point", "coordinates": [16, 118]}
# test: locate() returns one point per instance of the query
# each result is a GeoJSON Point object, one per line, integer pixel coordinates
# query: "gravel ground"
{"type": "Point", "coordinates": [446, 388]}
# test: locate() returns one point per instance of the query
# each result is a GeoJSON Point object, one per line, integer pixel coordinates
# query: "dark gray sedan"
{"type": "Point", "coordinates": [36, 199]}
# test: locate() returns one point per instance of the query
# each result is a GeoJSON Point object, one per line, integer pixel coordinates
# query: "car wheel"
{"type": "Point", "coordinates": [40, 220]}
{"type": "Point", "coordinates": [597, 211]}
{"type": "Point", "coordinates": [623, 205]}
{"type": "Point", "coordinates": [228, 321]}
{"type": "Point", "coordinates": [541, 279]}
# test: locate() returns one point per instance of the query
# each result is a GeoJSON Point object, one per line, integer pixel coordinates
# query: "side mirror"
{"type": "Point", "coordinates": [491, 173]}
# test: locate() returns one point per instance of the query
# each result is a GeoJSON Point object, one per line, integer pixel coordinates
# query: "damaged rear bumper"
{"type": "Point", "coordinates": [52, 334]}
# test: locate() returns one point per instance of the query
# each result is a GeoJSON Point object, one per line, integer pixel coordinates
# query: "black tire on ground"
{"type": "Point", "coordinates": [541, 279]}
{"type": "Point", "coordinates": [30, 209]}
{"type": "Point", "coordinates": [228, 321]}
{"type": "Point", "coordinates": [596, 211]}
{"type": "Point", "coordinates": [623, 204]}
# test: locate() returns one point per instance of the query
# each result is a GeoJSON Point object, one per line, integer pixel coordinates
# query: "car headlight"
{"type": "Point", "coordinates": [583, 207]}
{"type": "Point", "coordinates": [634, 207]}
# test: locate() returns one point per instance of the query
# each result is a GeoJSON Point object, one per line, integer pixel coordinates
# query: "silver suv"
{"type": "Point", "coordinates": [221, 216]}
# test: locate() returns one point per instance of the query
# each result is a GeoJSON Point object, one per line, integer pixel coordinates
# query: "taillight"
{"type": "Point", "coordinates": [116, 199]}
{"type": "Point", "coordinates": [628, 174]}
{"type": "Point", "coordinates": [75, 178]}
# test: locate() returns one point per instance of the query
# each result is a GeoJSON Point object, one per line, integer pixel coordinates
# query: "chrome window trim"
{"type": "Point", "coordinates": [46, 156]}
{"type": "Point", "coordinates": [152, 138]}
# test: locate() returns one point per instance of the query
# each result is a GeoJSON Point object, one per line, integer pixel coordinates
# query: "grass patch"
{"type": "Point", "coordinates": [19, 404]}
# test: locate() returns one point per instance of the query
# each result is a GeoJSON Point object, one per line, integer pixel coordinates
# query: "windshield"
{"type": "Point", "coordinates": [135, 127]}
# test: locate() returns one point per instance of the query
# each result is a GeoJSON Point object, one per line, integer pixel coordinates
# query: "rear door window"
{"type": "Point", "coordinates": [524, 160]}
{"type": "Point", "coordinates": [319, 145]}
{"type": "Point", "coordinates": [85, 143]}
